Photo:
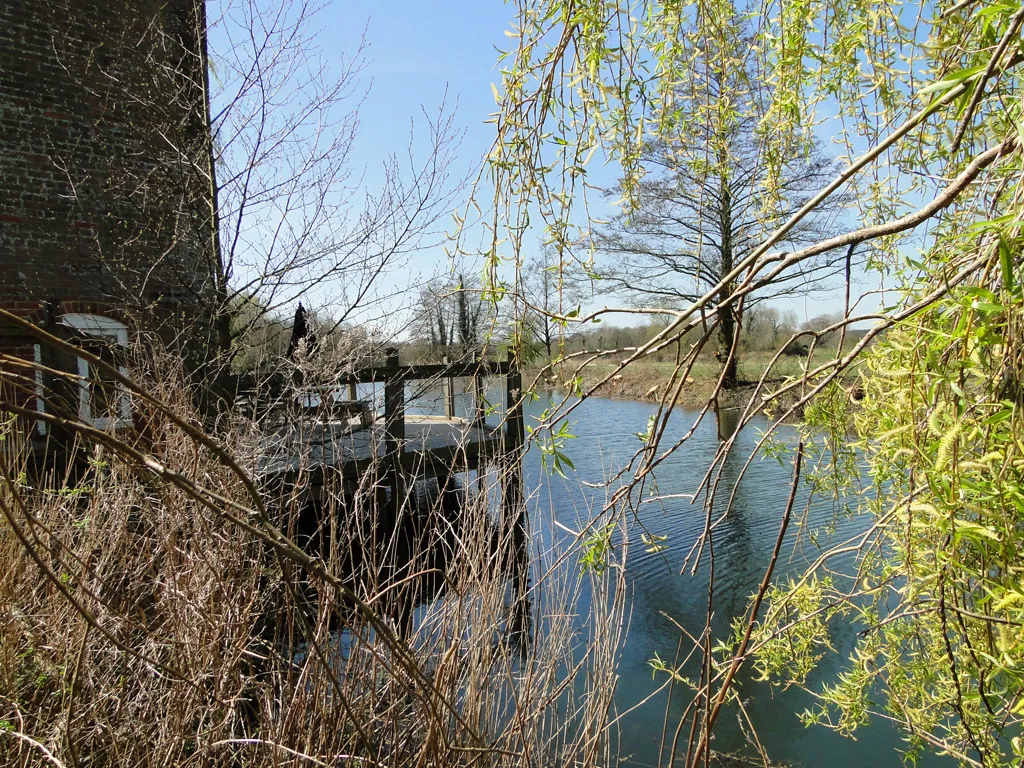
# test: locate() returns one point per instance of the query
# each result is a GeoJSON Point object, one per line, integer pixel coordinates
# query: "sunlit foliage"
{"type": "Point", "coordinates": [925, 102]}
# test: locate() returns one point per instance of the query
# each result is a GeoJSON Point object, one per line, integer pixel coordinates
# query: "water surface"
{"type": "Point", "coordinates": [661, 595]}
{"type": "Point", "coordinates": [606, 438]}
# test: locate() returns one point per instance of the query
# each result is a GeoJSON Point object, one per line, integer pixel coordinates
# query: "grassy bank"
{"type": "Point", "coordinates": [647, 381]}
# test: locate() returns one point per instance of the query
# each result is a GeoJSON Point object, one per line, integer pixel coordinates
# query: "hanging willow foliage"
{"type": "Point", "coordinates": [925, 101]}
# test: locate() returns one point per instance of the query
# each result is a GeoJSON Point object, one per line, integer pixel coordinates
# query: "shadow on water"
{"type": "Point", "coordinates": [393, 554]}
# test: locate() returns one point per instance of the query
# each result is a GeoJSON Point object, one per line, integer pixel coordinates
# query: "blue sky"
{"type": "Point", "coordinates": [416, 58]}
{"type": "Point", "coordinates": [418, 51]}
{"type": "Point", "coordinates": [418, 55]}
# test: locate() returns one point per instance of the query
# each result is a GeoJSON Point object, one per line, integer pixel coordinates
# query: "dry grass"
{"type": "Point", "coordinates": [644, 380]}
{"type": "Point", "coordinates": [152, 615]}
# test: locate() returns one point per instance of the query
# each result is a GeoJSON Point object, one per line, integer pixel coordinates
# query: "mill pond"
{"type": "Point", "coordinates": [660, 597]}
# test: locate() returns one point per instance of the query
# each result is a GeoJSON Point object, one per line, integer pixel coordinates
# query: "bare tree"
{"type": "Point", "coordinates": [434, 323]}
{"type": "Point", "coordinates": [284, 121]}
{"type": "Point", "coordinates": [235, 178]}
{"type": "Point", "coordinates": [469, 309]}
{"type": "Point", "coordinates": [709, 197]}
{"type": "Point", "coordinates": [763, 324]}
{"type": "Point", "coordinates": [452, 316]}
{"type": "Point", "coordinates": [548, 290]}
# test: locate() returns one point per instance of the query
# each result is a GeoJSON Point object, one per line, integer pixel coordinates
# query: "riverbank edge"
{"type": "Point", "coordinates": [647, 385]}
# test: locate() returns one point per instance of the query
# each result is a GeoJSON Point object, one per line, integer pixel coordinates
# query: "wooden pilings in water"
{"type": "Point", "coordinates": [448, 385]}
{"type": "Point", "coordinates": [503, 450]}
{"type": "Point", "coordinates": [512, 477]}
{"type": "Point", "coordinates": [394, 423]}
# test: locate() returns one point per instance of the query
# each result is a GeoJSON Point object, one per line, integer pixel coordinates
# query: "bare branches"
{"type": "Point", "coordinates": [217, 617]}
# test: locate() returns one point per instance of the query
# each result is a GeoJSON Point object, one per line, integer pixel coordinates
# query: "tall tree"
{"type": "Point", "coordinates": [469, 309]}
{"type": "Point", "coordinates": [763, 324]}
{"type": "Point", "coordinates": [286, 215]}
{"type": "Point", "coordinates": [709, 194]}
{"type": "Point", "coordinates": [433, 322]}
{"type": "Point", "coordinates": [451, 312]}
{"type": "Point", "coordinates": [925, 99]}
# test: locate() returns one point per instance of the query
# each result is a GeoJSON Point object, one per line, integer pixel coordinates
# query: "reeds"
{"type": "Point", "coordinates": [158, 607]}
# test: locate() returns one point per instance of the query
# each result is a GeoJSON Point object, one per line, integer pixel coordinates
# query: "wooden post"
{"type": "Point", "coordinates": [512, 477]}
{"type": "Point", "coordinates": [449, 392]}
{"type": "Point", "coordinates": [479, 407]}
{"type": "Point", "coordinates": [514, 431]}
{"type": "Point", "coordinates": [394, 422]}
{"type": "Point", "coordinates": [352, 392]}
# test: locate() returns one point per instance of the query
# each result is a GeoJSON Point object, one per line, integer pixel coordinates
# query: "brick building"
{"type": "Point", "coordinates": [105, 184]}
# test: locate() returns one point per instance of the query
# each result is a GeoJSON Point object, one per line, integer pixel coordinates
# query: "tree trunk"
{"type": "Point", "coordinates": [727, 313]}
{"type": "Point", "coordinates": [726, 337]}
{"type": "Point", "coordinates": [442, 333]}
{"type": "Point", "coordinates": [467, 319]}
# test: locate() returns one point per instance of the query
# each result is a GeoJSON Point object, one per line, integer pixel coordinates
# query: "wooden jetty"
{"type": "Point", "coordinates": [323, 441]}
{"type": "Point", "coordinates": [335, 443]}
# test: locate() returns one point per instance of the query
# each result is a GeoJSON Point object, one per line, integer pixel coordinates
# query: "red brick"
{"type": "Point", "coordinates": [86, 169]}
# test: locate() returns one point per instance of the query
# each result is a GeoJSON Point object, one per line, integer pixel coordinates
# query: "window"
{"type": "Point", "coordinates": [102, 402]}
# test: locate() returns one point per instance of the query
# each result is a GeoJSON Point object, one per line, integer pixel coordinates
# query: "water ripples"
{"type": "Point", "coordinates": [662, 593]}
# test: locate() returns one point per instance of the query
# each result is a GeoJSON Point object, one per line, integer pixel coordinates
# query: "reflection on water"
{"type": "Point", "coordinates": [606, 439]}
{"type": "Point", "coordinates": [662, 593]}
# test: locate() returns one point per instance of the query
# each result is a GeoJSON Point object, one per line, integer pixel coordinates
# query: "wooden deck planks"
{"type": "Point", "coordinates": [314, 447]}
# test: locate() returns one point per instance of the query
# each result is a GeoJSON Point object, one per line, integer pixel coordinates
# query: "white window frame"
{"type": "Point", "coordinates": [40, 393]}
{"type": "Point", "coordinates": [111, 330]}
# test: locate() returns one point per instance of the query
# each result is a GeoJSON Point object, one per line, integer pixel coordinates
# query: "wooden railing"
{"type": "Point", "coordinates": [395, 377]}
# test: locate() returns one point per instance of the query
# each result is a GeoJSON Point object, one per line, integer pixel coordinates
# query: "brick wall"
{"type": "Point", "coordinates": [104, 205]}
{"type": "Point", "coordinates": [101, 133]}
